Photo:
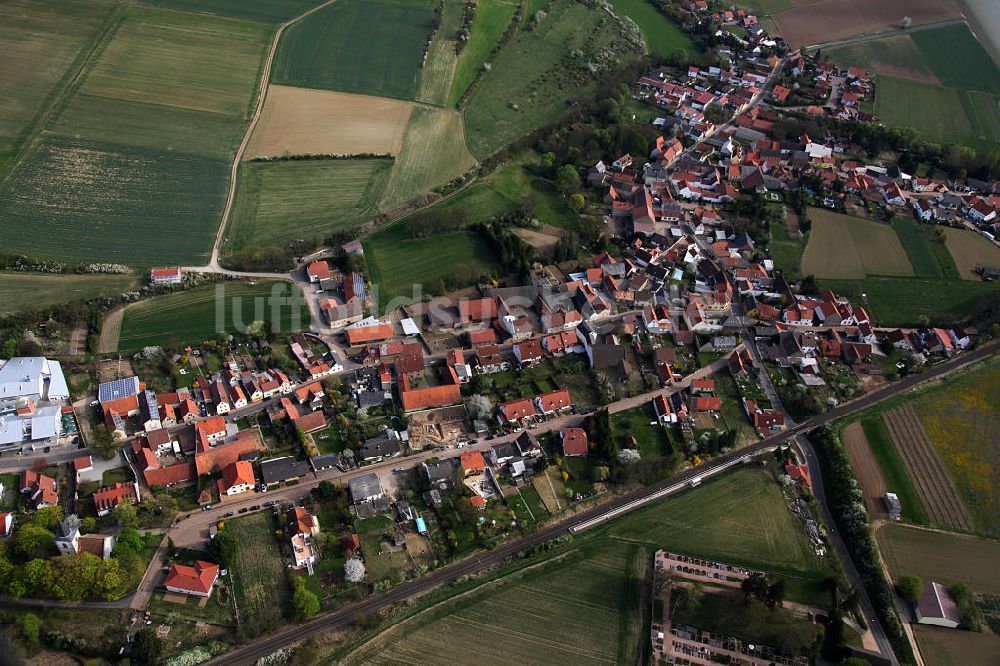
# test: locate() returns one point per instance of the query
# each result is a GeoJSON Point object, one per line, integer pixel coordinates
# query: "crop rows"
{"type": "Point", "coordinates": [926, 469]}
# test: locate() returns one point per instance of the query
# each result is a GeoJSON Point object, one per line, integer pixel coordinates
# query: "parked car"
{"type": "Point", "coordinates": [206, 507]}
{"type": "Point", "coordinates": [244, 510]}
{"type": "Point", "coordinates": [227, 514]}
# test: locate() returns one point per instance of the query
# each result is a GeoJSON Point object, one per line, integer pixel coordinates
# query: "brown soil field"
{"type": "Point", "coordinates": [927, 470]}
{"type": "Point", "coordinates": [836, 19]}
{"type": "Point", "coordinates": [940, 646]}
{"type": "Point", "coordinates": [301, 121]}
{"type": "Point", "coordinates": [110, 332]}
{"type": "Point", "coordinates": [543, 240]}
{"type": "Point", "coordinates": [970, 251]}
{"type": "Point", "coordinates": [792, 224]}
{"type": "Point", "coordinates": [906, 73]}
{"type": "Point", "coordinates": [867, 470]}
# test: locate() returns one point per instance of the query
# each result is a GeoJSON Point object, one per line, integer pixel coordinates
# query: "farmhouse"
{"type": "Point", "coordinates": [161, 276]}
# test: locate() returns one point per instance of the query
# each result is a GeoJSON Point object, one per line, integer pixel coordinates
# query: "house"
{"type": "Point", "coordinates": [106, 499]}
{"type": "Point", "coordinates": [41, 489]}
{"type": "Point", "coordinates": [82, 464]}
{"type": "Point", "coordinates": [209, 432]}
{"type": "Point", "coordinates": [528, 352]}
{"type": "Point", "coordinates": [161, 276]}
{"type": "Point", "coordinates": [285, 468]}
{"type": "Point", "coordinates": [476, 310]}
{"type": "Point", "coordinates": [923, 209]}
{"type": "Point", "coordinates": [318, 271]}
{"type": "Point", "coordinates": [574, 441]}
{"type": "Point", "coordinates": [237, 477]}
{"type": "Point", "coordinates": [665, 413]}
{"type": "Point", "coordinates": [798, 472]}
{"type": "Point", "coordinates": [365, 489]}
{"type": "Point", "coordinates": [554, 401]}
{"type": "Point", "coordinates": [368, 330]}
{"type": "Point", "coordinates": [980, 211]}
{"type": "Point", "coordinates": [386, 444]}
{"type": "Point", "coordinates": [472, 463]}
{"type": "Point", "coordinates": [763, 419]}
{"type": "Point", "coordinates": [196, 581]}
{"type": "Point", "coordinates": [32, 392]}
{"type": "Point", "coordinates": [516, 410]}
{"type": "Point", "coordinates": [302, 527]}
{"type": "Point", "coordinates": [937, 607]}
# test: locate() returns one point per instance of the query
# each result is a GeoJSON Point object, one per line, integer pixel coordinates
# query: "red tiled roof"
{"type": "Point", "coordinates": [362, 334]}
{"type": "Point", "coordinates": [198, 578]}
{"type": "Point", "coordinates": [473, 462]}
{"type": "Point", "coordinates": [171, 474]}
{"type": "Point", "coordinates": [517, 409]}
{"type": "Point", "coordinates": [479, 309]}
{"type": "Point", "coordinates": [106, 499]}
{"type": "Point", "coordinates": [217, 458]}
{"type": "Point", "coordinates": [311, 421]}
{"type": "Point", "coordinates": [81, 463]}
{"type": "Point", "coordinates": [236, 474]}
{"type": "Point", "coordinates": [707, 404]}
{"type": "Point", "coordinates": [554, 400]}
{"type": "Point", "coordinates": [574, 441]}
{"type": "Point", "coordinates": [486, 336]}
{"type": "Point", "coordinates": [319, 270]}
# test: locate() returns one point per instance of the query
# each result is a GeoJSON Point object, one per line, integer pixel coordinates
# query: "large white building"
{"type": "Point", "coordinates": [32, 393]}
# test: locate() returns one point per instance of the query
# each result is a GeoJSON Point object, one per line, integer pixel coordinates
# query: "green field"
{"type": "Point", "coordinates": [308, 199]}
{"type": "Point", "coordinates": [77, 201]}
{"type": "Point", "coordinates": [258, 573]}
{"type": "Point", "coordinates": [662, 36]}
{"type": "Point", "coordinates": [985, 113]}
{"type": "Point", "coordinates": [901, 301]}
{"type": "Point", "coordinates": [133, 168]}
{"type": "Point", "coordinates": [44, 41]}
{"type": "Point", "coordinates": [396, 262]}
{"type": "Point", "coordinates": [535, 74]}
{"type": "Point", "coordinates": [914, 239]}
{"type": "Point", "coordinates": [23, 291]}
{"type": "Point", "coordinates": [271, 11]}
{"type": "Point", "coordinates": [492, 19]}
{"type": "Point", "coordinates": [942, 557]}
{"type": "Point", "coordinates": [523, 618]}
{"type": "Point", "coordinates": [893, 470]}
{"type": "Point", "coordinates": [433, 153]}
{"type": "Point", "coordinates": [505, 190]}
{"type": "Point", "coordinates": [842, 246]}
{"type": "Point", "coordinates": [958, 59]}
{"type": "Point", "coordinates": [940, 646]}
{"type": "Point", "coordinates": [439, 68]}
{"type": "Point", "coordinates": [361, 46]}
{"type": "Point", "coordinates": [940, 116]}
{"type": "Point", "coordinates": [188, 317]}
{"type": "Point", "coordinates": [896, 55]}
{"type": "Point", "coordinates": [739, 518]}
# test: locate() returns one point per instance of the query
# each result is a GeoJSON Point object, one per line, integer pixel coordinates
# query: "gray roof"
{"type": "Point", "coordinates": [439, 470]}
{"type": "Point", "coordinates": [386, 443]}
{"type": "Point", "coordinates": [365, 487]}
{"type": "Point", "coordinates": [282, 469]}
{"type": "Point", "coordinates": [325, 461]}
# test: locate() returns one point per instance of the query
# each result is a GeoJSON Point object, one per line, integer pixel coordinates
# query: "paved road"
{"type": "Point", "coordinates": [445, 575]}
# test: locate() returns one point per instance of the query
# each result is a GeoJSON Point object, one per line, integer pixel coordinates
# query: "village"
{"type": "Point", "coordinates": [331, 463]}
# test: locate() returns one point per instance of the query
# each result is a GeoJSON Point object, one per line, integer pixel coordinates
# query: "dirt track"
{"type": "Point", "coordinates": [110, 332]}
{"type": "Point", "coordinates": [869, 474]}
{"type": "Point", "coordinates": [928, 472]}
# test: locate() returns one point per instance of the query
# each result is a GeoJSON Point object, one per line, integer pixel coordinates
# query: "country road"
{"type": "Point", "coordinates": [448, 574]}
{"type": "Point", "coordinates": [882, 34]}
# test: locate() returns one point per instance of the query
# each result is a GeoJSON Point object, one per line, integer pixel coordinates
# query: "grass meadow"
{"type": "Point", "coordinates": [363, 46]}
{"type": "Point", "coordinates": [970, 251]}
{"type": "Point", "coordinates": [258, 572]}
{"type": "Point", "coordinates": [841, 246]}
{"type": "Point", "coordinates": [895, 55]}
{"type": "Point", "coordinates": [44, 43]}
{"type": "Point", "coordinates": [397, 262]}
{"type": "Point", "coordinates": [191, 316]}
{"type": "Point", "coordinates": [940, 115]}
{"type": "Point", "coordinates": [940, 556]}
{"type": "Point", "coordinates": [267, 11]}
{"type": "Point", "coordinates": [24, 291]}
{"type": "Point", "coordinates": [940, 646]}
{"type": "Point", "coordinates": [433, 153]}
{"type": "Point", "coordinates": [492, 19]}
{"type": "Point", "coordinates": [439, 67]}
{"type": "Point", "coordinates": [662, 36]}
{"type": "Point", "coordinates": [914, 239]}
{"type": "Point", "coordinates": [893, 470]}
{"type": "Point", "coordinates": [958, 59]}
{"type": "Point", "coordinates": [534, 75]}
{"type": "Point", "coordinates": [522, 618]}
{"type": "Point", "coordinates": [308, 199]}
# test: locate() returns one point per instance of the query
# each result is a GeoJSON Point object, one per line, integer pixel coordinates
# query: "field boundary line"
{"type": "Point", "coordinates": [68, 84]}
{"type": "Point", "coordinates": [262, 85]}
{"type": "Point", "coordinates": [111, 331]}
{"type": "Point", "coordinates": [495, 581]}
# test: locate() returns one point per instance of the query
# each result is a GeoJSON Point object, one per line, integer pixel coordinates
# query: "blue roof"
{"type": "Point", "coordinates": [119, 388]}
{"type": "Point", "coordinates": [421, 525]}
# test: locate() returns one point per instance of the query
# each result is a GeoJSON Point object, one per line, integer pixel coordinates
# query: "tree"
{"type": "Point", "coordinates": [146, 647]}
{"type": "Point", "coordinates": [567, 178]}
{"type": "Point", "coordinates": [126, 514]}
{"type": "Point", "coordinates": [755, 586]}
{"type": "Point", "coordinates": [354, 570]}
{"type": "Point", "coordinates": [31, 628]}
{"type": "Point", "coordinates": [910, 588]}
{"type": "Point", "coordinates": [327, 490]}
{"type": "Point", "coordinates": [480, 406]}
{"type": "Point", "coordinates": [628, 457]}
{"type": "Point", "coordinates": [31, 541]}
{"type": "Point", "coordinates": [103, 441]}
{"type": "Point", "coordinates": [224, 548]}
{"type": "Point", "coordinates": [305, 602]}
{"type": "Point", "coordinates": [577, 202]}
